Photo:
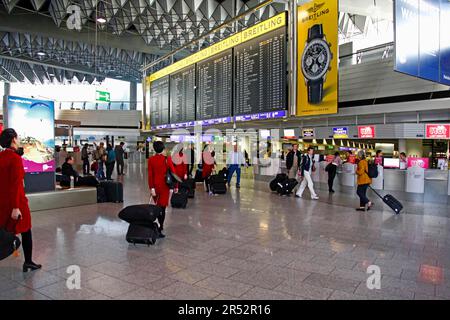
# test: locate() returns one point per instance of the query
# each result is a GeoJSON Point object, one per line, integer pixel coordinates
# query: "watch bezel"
{"type": "Point", "coordinates": [325, 70]}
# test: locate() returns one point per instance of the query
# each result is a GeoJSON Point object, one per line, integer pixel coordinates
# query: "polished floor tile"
{"type": "Point", "coordinates": [246, 244]}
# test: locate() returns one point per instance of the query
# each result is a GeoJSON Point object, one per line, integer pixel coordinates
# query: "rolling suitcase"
{"type": "Point", "coordinates": [224, 174]}
{"type": "Point", "coordinates": [179, 199]}
{"type": "Point", "coordinates": [390, 201]}
{"type": "Point", "coordinates": [87, 181]}
{"type": "Point", "coordinates": [101, 195]}
{"type": "Point", "coordinates": [189, 185]}
{"type": "Point", "coordinates": [285, 187]}
{"type": "Point", "coordinates": [9, 242]}
{"type": "Point", "coordinates": [198, 176]}
{"type": "Point", "coordinates": [279, 178]}
{"type": "Point", "coordinates": [138, 234]}
{"type": "Point", "coordinates": [141, 214]}
{"type": "Point", "coordinates": [217, 185]}
{"type": "Point", "coordinates": [113, 190]}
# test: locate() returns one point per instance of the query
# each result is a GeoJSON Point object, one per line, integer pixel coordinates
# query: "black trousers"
{"type": "Point", "coordinates": [120, 165]}
{"type": "Point", "coordinates": [86, 167]}
{"type": "Point", "coordinates": [207, 183]}
{"type": "Point", "coordinates": [109, 169]}
{"type": "Point", "coordinates": [361, 191]}
{"type": "Point", "coordinates": [331, 176]}
{"type": "Point", "coordinates": [161, 218]}
{"type": "Point", "coordinates": [27, 246]}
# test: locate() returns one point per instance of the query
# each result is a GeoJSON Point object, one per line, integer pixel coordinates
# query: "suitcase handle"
{"type": "Point", "coordinates": [375, 192]}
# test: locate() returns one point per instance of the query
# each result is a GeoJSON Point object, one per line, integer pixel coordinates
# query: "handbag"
{"type": "Point", "coordinates": [171, 178]}
{"type": "Point", "coordinates": [8, 243]}
{"type": "Point", "coordinates": [328, 167]}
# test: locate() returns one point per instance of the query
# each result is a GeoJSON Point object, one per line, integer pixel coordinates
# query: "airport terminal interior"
{"type": "Point", "coordinates": [224, 150]}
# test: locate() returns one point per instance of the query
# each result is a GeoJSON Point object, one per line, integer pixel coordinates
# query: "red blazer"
{"type": "Point", "coordinates": [157, 169]}
{"type": "Point", "coordinates": [181, 165]}
{"type": "Point", "coordinates": [12, 193]}
{"type": "Point", "coordinates": [207, 164]}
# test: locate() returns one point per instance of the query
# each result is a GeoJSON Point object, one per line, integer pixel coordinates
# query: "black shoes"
{"type": "Point", "coordinates": [238, 186]}
{"type": "Point", "coordinates": [31, 266]}
{"type": "Point", "coordinates": [331, 191]}
{"type": "Point", "coordinates": [161, 235]}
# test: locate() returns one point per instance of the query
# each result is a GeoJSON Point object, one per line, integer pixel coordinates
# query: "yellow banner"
{"type": "Point", "coordinates": [317, 68]}
{"type": "Point", "coordinates": [241, 37]}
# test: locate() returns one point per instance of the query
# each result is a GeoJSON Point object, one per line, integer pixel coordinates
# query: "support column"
{"type": "Point", "coordinates": [133, 95]}
{"type": "Point", "coordinates": [7, 89]}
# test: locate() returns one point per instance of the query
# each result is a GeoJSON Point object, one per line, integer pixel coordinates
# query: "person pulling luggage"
{"type": "Point", "coordinates": [235, 160]}
{"type": "Point", "coordinates": [293, 161]}
{"type": "Point", "coordinates": [364, 181]}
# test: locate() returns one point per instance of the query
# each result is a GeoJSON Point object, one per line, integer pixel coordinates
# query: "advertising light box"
{"type": "Point", "coordinates": [366, 132]}
{"type": "Point", "coordinates": [34, 121]}
{"type": "Point", "coordinates": [438, 131]}
{"type": "Point", "coordinates": [422, 40]}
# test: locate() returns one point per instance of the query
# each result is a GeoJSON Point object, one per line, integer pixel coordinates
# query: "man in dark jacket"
{"type": "Point", "coordinates": [293, 160]}
{"type": "Point", "coordinates": [85, 158]}
{"type": "Point", "coordinates": [120, 158]}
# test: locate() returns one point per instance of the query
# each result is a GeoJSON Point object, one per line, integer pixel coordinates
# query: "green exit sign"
{"type": "Point", "coordinates": [102, 96]}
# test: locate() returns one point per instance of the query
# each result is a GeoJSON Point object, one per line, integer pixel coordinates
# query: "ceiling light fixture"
{"type": "Point", "coordinates": [41, 54]}
{"type": "Point", "coordinates": [101, 20]}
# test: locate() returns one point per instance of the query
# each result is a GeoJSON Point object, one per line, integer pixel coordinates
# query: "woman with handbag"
{"type": "Point", "coordinates": [331, 168]}
{"type": "Point", "coordinates": [159, 167]}
{"type": "Point", "coordinates": [15, 214]}
{"type": "Point", "coordinates": [208, 164]}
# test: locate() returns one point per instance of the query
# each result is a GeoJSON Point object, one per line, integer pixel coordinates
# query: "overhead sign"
{"type": "Point", "coordinates": [422, 41]}
{"type": "Point", "coordinates": [366, 132]}
{"type": "Point", "coordinates": [33, 121]}
{"type": "Point", "coordinates": [340, 133]}
{"type": "Point", "coordinates": [308, 132]}
{"type": "Point", "coordinates": [437, 131]}
{"type": "Point", "coordinates": [250, 33]}
{"type": "Point", "coordinates": [102, 96]}
{"type": "Point", "coordinates": [317, 91]}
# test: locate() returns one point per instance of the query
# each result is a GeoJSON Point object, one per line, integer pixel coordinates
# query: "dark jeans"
{"type": "Point", "coordinates": [109, 169]}
{"type": "Point", "coordinates": [331, 176]}
{"type": "Point", "coordinates": [207, 183]}
{"type": "Point", "coordinates": [86, 167]}
{"type": "Point", "coordinates": [27, 246]}
{"type": "Point", "coordinates": [361, 191]}
{"type": "Point", "coordinates": [231, 170]}
{"type": "Point", "coordinates": [120, 165]}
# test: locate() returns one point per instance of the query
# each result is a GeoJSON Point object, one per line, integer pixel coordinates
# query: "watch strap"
{"type": "Point", "coordinates": [315, 32]}
{"type": "Point", "coordinates": [315, 91]}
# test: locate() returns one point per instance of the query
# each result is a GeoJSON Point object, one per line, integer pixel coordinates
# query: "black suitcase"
{"type": "Point", "coordinates": [224, 174]}
{"type": "Point", "coordinates": [286, 187]}
{"type": "Point", "coordinates": [179, 199]}
{"type": "Point", "coordinates": [190, 183]}
{"type": "Point", "coordinates": [189, 186]}
{"type": "Point", "coordinates": [217, 185]}
{"type": "Point", "coordinates": [141, 214]}
{"type": "Point", "coordinates": [8, 243]}
{"type": "Point", "coordinates": [113, 190]}
{"type": "Point", "coordinates": [390, 201]}
{"type": "Point", "coordinates": [198, 176]}
{"type": "Point", "coordinates": [138, 234]}
{"type": "Point", "coordinates": [279, 178]}
{"type": "Point", "coordinates": [101, 195]}
{"type": "Point", "coordinates": [87, 181]}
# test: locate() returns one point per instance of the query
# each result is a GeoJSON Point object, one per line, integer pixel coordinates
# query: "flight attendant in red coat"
{"type": "Point", "coordinates": [159, 190]}
{"type": "Point", "coordinates": [14, 211]}
{"type": "Point", "coordinates": [208, 164]}
{"type": "Point", "coordinates": [181, 164]}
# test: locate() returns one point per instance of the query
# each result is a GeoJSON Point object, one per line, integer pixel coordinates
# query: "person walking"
{"type": "Point", "coordinates": [293, 160]}
{"type": "Point", "coordinates": [208, 164]}
{"type": "Point", "coordinates": [363, 181]}
{"type": "Point", "coordinates": [234, 162]}
{"type": "Point", "coordinates": [332, 170]}
{"type": "Point", "coordinates": [15, 214]}
{"type": "Point", "coordinates": [159, 190]}
{"type": "Point", "coordinates": [120, 153]}
{"type": "Point", "coordinates": [110, 161]}
{"type": "Point", "coordinates": [180, 162]}
{"type": "Point", "coordinates": [307, 167]}
{"type": "Point", "coordinates": [85, 158]}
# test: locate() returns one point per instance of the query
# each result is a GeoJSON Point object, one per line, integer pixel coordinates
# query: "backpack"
{"type": "Point", "coordinates": [372, 171]}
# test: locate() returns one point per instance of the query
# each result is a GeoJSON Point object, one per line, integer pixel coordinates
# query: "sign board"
{"type": "Point", "coordinates": [308, 132]}
{"type": "Point", "coordinates": [102, 96]}
{"type": "Point", "coordinates": [419, 162]}
{"type": "Point", "coordinates": [437, 131]}
{"type": "Point", "coordinates": [366, 132]}
{"type": "Point", "coordinates": [340, 133]}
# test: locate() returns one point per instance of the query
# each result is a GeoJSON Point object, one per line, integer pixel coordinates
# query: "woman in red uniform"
{"type": "Point", "coordinates": [159, 190]}
{"type": "Point", "coordinates": [208, 164]}
{"type": "Point", "coordinates": [181, 164]}
{"type": "Point", "coordinates": [14, 211]}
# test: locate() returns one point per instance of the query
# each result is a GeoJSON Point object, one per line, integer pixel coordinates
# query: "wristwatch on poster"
{"type": "Point", "coordinates": [315, 61]}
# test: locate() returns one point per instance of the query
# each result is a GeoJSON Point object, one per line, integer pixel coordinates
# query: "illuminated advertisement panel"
{"type": "Point", "coordinates": [33, 121]}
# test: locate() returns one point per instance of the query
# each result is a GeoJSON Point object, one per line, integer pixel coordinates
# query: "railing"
{"type": "Point", "coordinates": [376, 53]}
{"type": "Point", "coordinates": [89, 105]}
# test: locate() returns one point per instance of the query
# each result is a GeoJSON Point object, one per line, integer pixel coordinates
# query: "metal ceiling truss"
{"type": "Point", "coordinates": [98, 60]}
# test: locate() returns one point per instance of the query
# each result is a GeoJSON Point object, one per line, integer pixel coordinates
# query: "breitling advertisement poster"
{"type": "Point", "coordinates": [317, 56]}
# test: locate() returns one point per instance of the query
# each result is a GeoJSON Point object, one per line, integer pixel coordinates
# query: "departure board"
{"type": "Point", "coordinates": [159, 101]}
{"type": "Point", "coordinates": [260, 78]}
{"type": "Point", "coordinates": [215, 86]}
{"type": "Point", "coordinates": [182, 95]}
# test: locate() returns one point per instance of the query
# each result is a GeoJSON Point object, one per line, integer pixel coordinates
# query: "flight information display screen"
{"type": "Point", "coordinates": [260, 74]}
{"type": "Point", "coordinates": [159, 101]}
{"type": "Point", "coordinates": [182, 95]}
{"type": "Point", "coordinates": [214, 90]}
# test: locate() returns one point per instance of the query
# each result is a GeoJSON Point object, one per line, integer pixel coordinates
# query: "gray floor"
{"type": "Point", "coordinates": [247, 244]}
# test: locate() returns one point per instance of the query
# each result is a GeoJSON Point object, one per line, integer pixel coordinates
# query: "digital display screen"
{"type": "Point", "coordinates": [391, 163]}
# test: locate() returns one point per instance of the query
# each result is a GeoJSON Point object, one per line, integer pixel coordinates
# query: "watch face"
{"type": "Point", "coordinates": [316, 59]}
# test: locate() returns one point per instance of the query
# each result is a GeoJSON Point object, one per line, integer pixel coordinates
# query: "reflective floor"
{"type": "Point", "coordinates": [247, 244]}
